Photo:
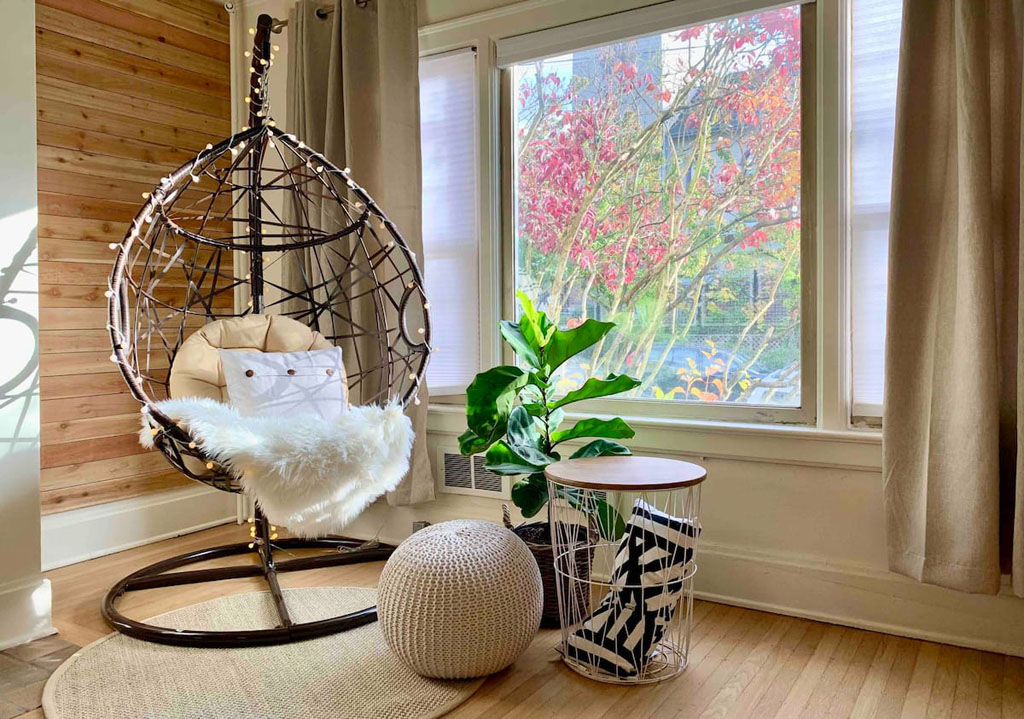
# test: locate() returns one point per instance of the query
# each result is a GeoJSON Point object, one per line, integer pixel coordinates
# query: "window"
{"type": "Point", "coordinates": [875, 58]}
{"type": "Point", "coordinates": [448, 135]}
{"type": "Point", "coordinates": [657, 182]}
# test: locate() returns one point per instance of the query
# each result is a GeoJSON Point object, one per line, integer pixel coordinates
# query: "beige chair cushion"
{"type": "Point", "coordinates": [196, 371]}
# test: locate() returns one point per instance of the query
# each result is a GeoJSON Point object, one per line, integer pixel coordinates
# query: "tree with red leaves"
{"type": "Point", "coordinates": [658, 184]}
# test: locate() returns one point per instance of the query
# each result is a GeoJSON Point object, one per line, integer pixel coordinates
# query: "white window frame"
{"type": "Point", "coordinates": [826, 382]}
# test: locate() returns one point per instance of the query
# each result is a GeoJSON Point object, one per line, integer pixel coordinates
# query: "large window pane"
{"type": "Point", "coordinates": [875, 60]}
{"type": "Point", "coordinates": [657, 184]}
{"type": "Point", "coordinates": [448, 117]}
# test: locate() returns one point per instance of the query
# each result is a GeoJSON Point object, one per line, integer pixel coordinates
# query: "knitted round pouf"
{"type": "Point", "coordinates": [460, 599]}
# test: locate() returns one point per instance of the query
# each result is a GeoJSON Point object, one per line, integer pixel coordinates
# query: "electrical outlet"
{"type": "Point", "coordinates": [417, 526]}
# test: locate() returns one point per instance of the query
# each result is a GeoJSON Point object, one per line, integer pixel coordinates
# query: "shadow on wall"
{"type": "Point", "coordinates": [19, 347]}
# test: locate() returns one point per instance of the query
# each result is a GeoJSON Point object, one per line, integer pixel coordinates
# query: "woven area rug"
{"type": "Point", "coordinates": [352, 675]}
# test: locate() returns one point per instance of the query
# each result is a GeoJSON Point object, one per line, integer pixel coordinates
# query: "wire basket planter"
{"type": "Point", "coordinates": [625, 601]}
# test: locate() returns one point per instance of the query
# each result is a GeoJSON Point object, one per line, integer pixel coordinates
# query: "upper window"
{"type": "Point", "coordinates": [657, 182]}
{"type": "Point", "coordinates": [875, 41]}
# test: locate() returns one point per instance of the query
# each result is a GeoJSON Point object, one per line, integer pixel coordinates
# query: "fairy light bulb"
{"type": "Point", "coordinates": [113, 245]}
{"type": "Point", "coordinates": [247, 101]}
{"type": "Point", "coordinates": [209, 146]}
{"type": "Point", "coordinates": [191, 445]}
{"type": "Point", "coordinates": [247, 54]}
{"type": "Point", "coordinates": [276, 48]}
{"type": "Point", "coordinates": [209, 465]}
{"type": "Point", "coordinates": [145, 195]}
{"type": "Point", "coordinates": [252, 31]}
{"type": "Point", "coordinates": [108, 294]}
{"type": "Point", "coordinates": [154, 431]}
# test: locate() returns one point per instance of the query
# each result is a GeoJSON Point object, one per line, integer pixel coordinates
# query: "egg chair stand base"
{"type": "Point", "coordinates": [337, 551]}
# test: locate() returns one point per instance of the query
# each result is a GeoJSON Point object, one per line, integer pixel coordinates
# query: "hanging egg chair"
{"type": "Point", "coordinates": [261, 226]}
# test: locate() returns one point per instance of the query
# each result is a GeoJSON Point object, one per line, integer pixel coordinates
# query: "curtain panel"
{"type": "Point", "coordinates": [953, 471]}
{"type": "Point", "coordinates": [353, 94]}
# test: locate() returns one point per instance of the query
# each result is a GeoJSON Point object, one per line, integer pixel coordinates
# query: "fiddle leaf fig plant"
{"type": "Point", "coordinates": [514, 416]}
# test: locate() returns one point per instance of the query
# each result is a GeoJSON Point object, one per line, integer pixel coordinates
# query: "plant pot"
{"type": "Point", "coordinates": [537, 536]}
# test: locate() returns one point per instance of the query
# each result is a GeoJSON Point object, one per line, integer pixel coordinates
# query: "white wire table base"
{"type": "Point", "coordinates": [625, 562]}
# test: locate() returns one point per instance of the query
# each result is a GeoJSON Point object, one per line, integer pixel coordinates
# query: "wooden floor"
{"type": "Point", "coordinates": [743, 663]}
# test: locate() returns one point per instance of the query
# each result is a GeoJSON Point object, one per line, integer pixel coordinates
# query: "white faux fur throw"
{"type": "Point", "coordinates": [308, 475]}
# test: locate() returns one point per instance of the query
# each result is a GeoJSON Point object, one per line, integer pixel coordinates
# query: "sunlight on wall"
{"type": "Point", "coordinates": [19, 310]}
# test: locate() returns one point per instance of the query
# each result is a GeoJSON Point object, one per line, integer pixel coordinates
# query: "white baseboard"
{"type": "Point", "coordinates": [90, 532]}
{"type": "Point", "coordinates": [24, 611]}
{"type": "Point", "coordinates": [860, 596]}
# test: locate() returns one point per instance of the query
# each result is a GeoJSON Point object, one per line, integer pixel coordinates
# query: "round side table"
{"type": "Point", "coordinates": [625, 581]}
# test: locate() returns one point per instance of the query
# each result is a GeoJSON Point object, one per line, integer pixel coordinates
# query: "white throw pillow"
{"type": "Point", "coordinates": [281, 383]}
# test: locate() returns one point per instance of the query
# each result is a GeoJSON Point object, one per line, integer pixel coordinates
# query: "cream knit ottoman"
{"type": "Point", "coordinates": [460, 599]}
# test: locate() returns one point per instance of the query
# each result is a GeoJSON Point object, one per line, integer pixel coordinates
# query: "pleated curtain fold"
{"type": "Point", "coordinates": [353, 94]}
{"type": "Point", "coordinates": [953, 465]}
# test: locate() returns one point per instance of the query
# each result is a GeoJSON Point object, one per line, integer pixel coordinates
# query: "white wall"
{"type": "Point", "coordinates": [24, 593]}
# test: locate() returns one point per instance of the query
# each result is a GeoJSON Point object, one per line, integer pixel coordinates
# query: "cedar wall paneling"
{"type": "Point", "coordinates": [126, 90]}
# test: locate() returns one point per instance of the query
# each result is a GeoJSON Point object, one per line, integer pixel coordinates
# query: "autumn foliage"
{"type": "Point", "coordinates": [658, 186]}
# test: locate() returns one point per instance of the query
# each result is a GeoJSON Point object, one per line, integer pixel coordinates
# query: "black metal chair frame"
{"type": "Point", "coordinates": [182, 243]}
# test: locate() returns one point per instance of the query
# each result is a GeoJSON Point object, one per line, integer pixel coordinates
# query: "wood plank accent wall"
{"type": "Point", "coordinates": [127, 90]}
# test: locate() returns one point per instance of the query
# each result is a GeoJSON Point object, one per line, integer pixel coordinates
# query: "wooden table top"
{"type": "Point", "coordinates": [626, 473]}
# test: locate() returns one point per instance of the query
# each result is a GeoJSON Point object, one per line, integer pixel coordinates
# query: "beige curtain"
{"type": "Point", "coordinates": [954, 417]}
{"type": "Point", "coordinates": [353, 94]}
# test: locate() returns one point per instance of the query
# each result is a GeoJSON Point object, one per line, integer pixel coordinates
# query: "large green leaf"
{"type": "Point", "coordinates": [530, 494]}
{"type": "Point", "coordinates": [568, 343]}
{"type": "Point", "coordinates": [471, 443]}
{"type": "Point", "coordinates": [600, 448]}
{"type": "Point", "coordinates": [524, 349]}
{"type": "Point", "coordinates": [615, 428]}
{"type": "Point", "coordinates": [535, 326]}
{"type": "Point", "coordinates": [502, 458]}
{"type": "Point", "coordinates": [594, 387]}
{"type": "Point", "coordinates": [489, 401]}
{"type": "Point", "coordinates": [522, 429]}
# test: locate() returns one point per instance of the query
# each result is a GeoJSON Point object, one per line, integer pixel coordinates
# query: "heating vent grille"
{"type": "Point", "coordinates": [484, 479]}
{"type": "Point", "coordinates": [467, 475]}
{"type": "Point", "coordinates": [458, 472]}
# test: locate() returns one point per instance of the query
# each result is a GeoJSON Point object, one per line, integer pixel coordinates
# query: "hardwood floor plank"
{"type": "Point", "coordinates": [874, 682]}
{"type": "Point", "coordinates": [894, 695]}
{"type": "Point", "coordinates": [772, 700]}
{"type": "Point", "coordinates": [824, 693]}
{"type": "Point", "coordinates": [729, 694]}
{"type": "Point", "coordinates": [940, 703]}
{"type": "Point", "coordinates": [804, 686]}
{"type": "Point", "coordinates": [856, 674]}
{"type": "Point", "coordinates": [1013, 687]}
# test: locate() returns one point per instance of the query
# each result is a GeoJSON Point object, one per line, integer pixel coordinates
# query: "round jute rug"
{"type": "Point", "coordinates": [352, 675]}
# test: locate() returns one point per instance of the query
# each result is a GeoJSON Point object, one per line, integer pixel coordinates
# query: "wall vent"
{"type": "Point", "coordinates": [467, 475]}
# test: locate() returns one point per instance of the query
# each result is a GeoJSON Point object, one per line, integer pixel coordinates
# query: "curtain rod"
{"type": "Point", "coordinates": [321, 12]}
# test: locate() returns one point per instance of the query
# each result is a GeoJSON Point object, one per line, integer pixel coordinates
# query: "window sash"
{"type": "Point", "coordinates": [806, 413]}
{"type": "Point", "coordinates": [621, 26]}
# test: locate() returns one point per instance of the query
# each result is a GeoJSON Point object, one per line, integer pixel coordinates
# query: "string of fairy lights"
{"type": "Point", "coordinates": [241, 145]}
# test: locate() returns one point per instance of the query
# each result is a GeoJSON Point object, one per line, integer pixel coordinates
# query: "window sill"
{"type": "Point", "coordinates": [857, 449]}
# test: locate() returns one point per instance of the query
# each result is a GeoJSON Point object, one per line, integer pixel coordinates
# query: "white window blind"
{"type": "Point", "coordinates": [448, 135]}
{"type": "Point", "coordinates": [874, 64]}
